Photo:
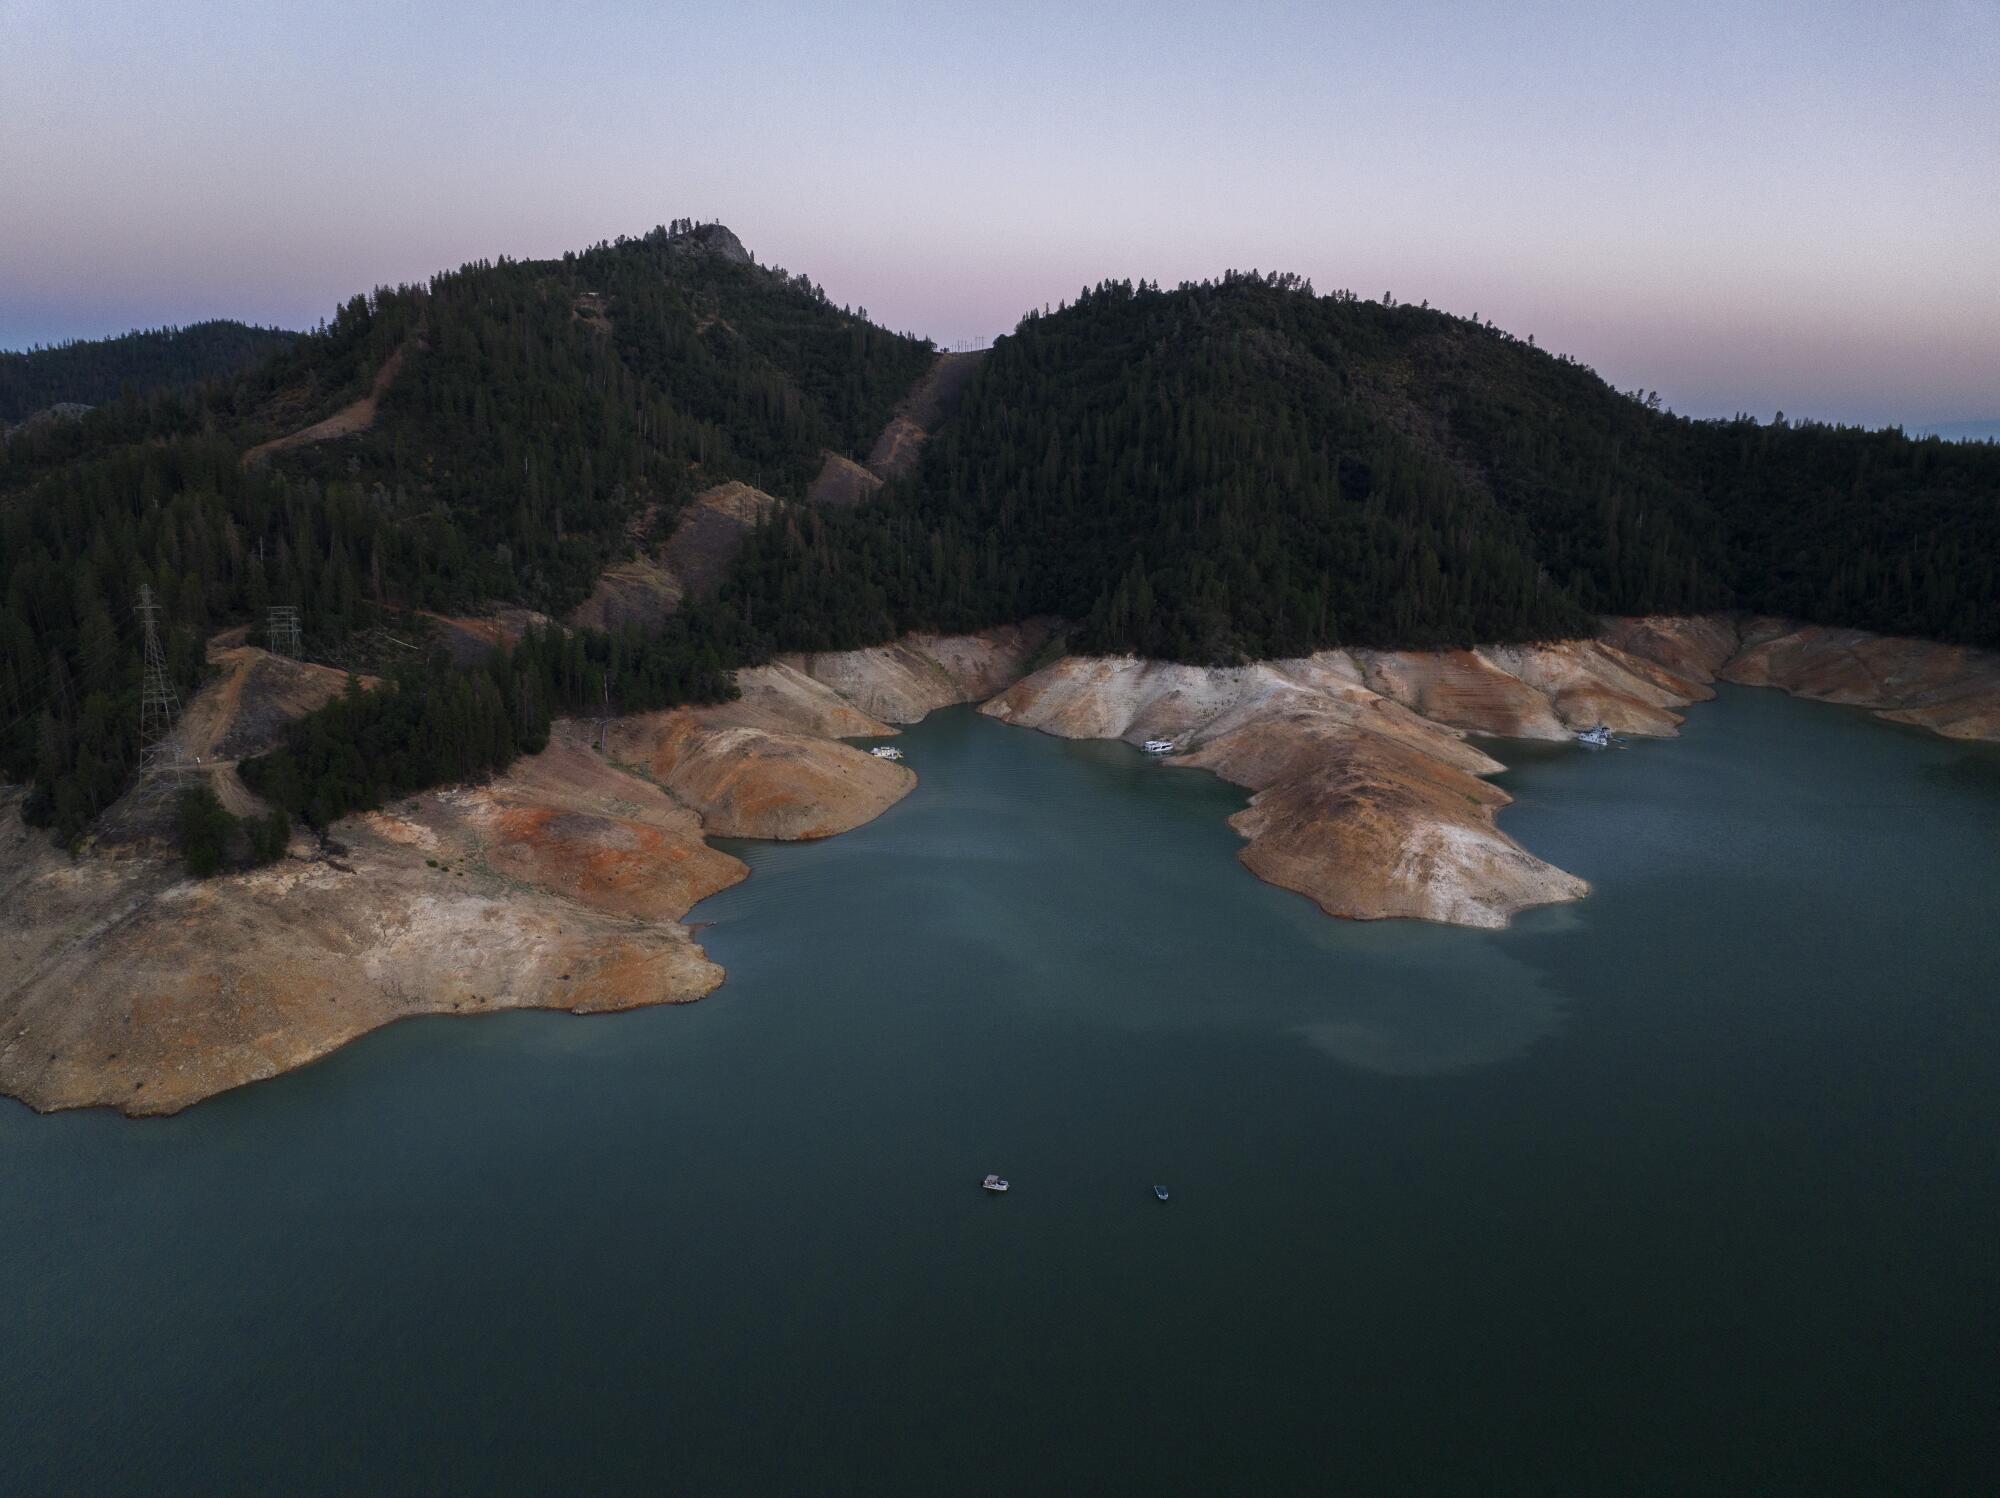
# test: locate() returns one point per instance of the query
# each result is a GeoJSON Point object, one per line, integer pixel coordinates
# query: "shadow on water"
{"type": "Point", "coordinates": [1686, 1187]}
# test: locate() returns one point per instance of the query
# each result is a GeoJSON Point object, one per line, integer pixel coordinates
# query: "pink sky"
{"type": "Point", "coordinates": [1745, 206]}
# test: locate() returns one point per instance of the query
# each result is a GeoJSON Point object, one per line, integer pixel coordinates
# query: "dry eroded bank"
{"type": "Point", "coordinates": [559, 885]}
{"type": "Point", "coordinates": [1367, 796]}
{"type": "Point", "coordinates": [562, 883]}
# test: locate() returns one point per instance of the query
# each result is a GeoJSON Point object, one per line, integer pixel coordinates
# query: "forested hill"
{"type": "Point", "coordinates": [535, 420]}
{"type": "Point", "coordinates": [1218, 472]}
{"type": "Point", "coordinates": [91, 372]}
{"type": "Point", "coordinates": [1241, 468]}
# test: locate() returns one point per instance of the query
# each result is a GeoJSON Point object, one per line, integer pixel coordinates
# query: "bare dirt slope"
{"type": "Point", "coordinates": [770, 764]}
{"type": "Point", "coordinates": [842, 481]}
{"type": "Point", "coordinates": [471, 638]}
{"type": "Point", "coordinates": [904, 682]}
{"type": "Point", "coordinates": [240, 712]}
{"type": "Point", "coordinates": [244, 713]}
{"type": "Point", "coordinates": [708, 536]}
{"type": "Point", "coordinates": [1952, 690]}
{"type": "Point", "coordinates": [124, 983]}
{"type": "Point", "coordinates": [648, 586]}
{"type": "Point", "coordinates": [358, 416]}
{"type": "Point", "coordinates": [1534, 691]}
{"type": "Point", "coordinates": [935, 397]}
{"type": "Point", "coordinates": [690, 564]}
{"type": "Point", "coordinates": [1949, 689]}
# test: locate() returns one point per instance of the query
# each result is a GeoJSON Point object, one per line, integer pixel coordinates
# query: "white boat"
{"type": "Point", "coordinates": [1595, 738]}
{"type": "Point", "coordinates": [887, 751]}
{"type": "Point", "coordinates": [1158, 746]}
{"type": "Point", "coordinates": [1161, 1192]}
{"type": "Point", "coordinates": [994, 1183]}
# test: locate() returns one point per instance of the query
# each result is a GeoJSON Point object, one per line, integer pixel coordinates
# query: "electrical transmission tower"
{"type": "Point", "coordinates": [283, 631]}
{"type": "Point", "coordinates": [605, 721]}
{"type": "Point", "coordinates": [159, 707]}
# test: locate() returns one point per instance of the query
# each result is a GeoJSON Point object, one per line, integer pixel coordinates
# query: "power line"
{"type": "Point", "coordinates": [283, 631]}
{"type": "Point", "coordinates": [160, 763]}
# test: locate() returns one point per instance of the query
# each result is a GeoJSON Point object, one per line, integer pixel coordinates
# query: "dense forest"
{"type": "Point", "coordinates": [432, 723]}
{"type": "Point", "coordinates": [1221, 471]}
{"type": "Point", "coordinates": [1242, 469]}
{"type": "Point", "coordinates": [95, 371]}
{"type": "Point", "coordinates": [542, 416]}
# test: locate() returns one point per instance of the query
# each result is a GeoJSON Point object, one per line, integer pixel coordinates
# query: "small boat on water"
{"type": "Point", "coordinates": [994, 1183]}
{"type": "Point", "coordinates": [1595, 738]}
{"type": "Point", "coordinates": [887, 751]}
{"type": "Point", "coordinates": [1160, 1192]}
{"type": "Point", "coordinates": [1158, 746]}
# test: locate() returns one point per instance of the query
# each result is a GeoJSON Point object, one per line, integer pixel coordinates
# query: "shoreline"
{"type": "Point", "coordinates": [565, 882]}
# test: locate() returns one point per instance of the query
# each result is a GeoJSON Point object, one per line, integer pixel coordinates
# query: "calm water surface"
{"type": "Point", "coordinates": [1689, 1188]}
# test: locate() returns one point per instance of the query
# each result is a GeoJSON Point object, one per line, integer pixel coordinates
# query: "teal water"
{"type": "Point", "coordinates": [1689, 1188]}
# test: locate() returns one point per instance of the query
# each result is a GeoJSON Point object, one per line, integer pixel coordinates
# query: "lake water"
{"type": "Point", "coordinates": [1689, 1188]}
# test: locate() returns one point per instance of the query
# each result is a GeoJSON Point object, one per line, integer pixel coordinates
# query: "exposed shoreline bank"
{"type": "Point", "coordinates": [563, 883]}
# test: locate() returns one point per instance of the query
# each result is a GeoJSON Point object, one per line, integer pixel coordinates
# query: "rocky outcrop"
{"type": "Point", "coordinates": [47, 416]}
{"type": "Point", "coordinates": [1588, 682]}
{"type": "Point", "coordinates": [710, 532]}
{"type": "Point", "coordinates": [569, 821]}
{"type": "Point", "coordinates": [640, 590]}
{"type": "Point", "coordinates": [710, 239]}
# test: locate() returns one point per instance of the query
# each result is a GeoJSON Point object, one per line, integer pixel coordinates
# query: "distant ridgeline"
{"type": "Point", "coordinates": [92, 372]}
{"type": "Point", "coordinates": [1241, 469]}
{"type": "Point", "coordinates": [1229, 470]}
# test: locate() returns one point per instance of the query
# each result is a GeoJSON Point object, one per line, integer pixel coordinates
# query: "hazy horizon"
{"type": "Point", "coordinates": [1751, 207]}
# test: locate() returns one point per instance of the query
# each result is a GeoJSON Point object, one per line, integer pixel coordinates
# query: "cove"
{"type": "Point", "coordinates": [1689, 1186]}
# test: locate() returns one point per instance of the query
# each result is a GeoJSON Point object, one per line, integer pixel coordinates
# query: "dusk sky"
{"type": "Point", "coordinates": [1745, 206]}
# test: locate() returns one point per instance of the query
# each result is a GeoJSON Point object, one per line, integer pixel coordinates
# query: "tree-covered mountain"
{"type": "Point", "coordinates": [92, 371]}
{"type": "Point", "coordinates": [1221, 471]}
{"type": "Point", "coordinates": [529, 419]}
{"type": "Point", "coordinates": [1241, 468]}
